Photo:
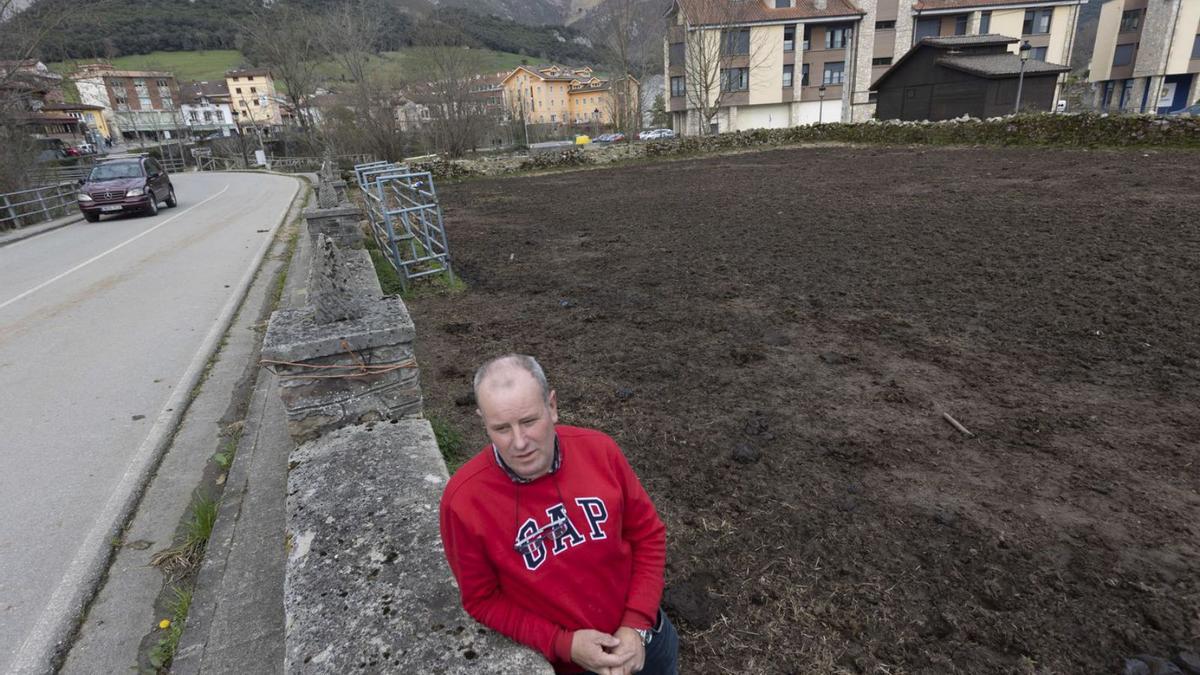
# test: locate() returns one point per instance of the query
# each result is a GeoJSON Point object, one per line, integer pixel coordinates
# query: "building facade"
{"type": "Point", "coordinates": [254, 99]}
{"type": "Point", "coordinates": [1147, 55]}
{"type": "Point", "coordinates": [206, 108]}
{"type": "Point", "coordinates": [733, 65]}
{"type": "Point", "coordinates": [138, 104]}
{"type": "Point", "coordinates": [559, 95]}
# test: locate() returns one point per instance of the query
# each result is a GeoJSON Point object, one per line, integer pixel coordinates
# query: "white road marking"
{"type": "Point", "coordinates": [123, 244]}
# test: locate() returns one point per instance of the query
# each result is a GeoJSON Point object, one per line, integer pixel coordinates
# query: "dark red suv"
{"type": "Point", "coordinates": [125, 184]}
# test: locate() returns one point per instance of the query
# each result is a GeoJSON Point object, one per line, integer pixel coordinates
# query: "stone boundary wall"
{"type": "Point", "coordinates": [366, 588]}
{"type": "Point", "coordinates": [1075, 130]}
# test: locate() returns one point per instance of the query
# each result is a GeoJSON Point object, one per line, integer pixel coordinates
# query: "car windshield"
{"type": "Point", "coordinates": [116, 170]}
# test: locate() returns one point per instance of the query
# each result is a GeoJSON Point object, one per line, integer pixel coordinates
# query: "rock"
{"type": "Point", "coordinates": [465, 399]}
{"type": "Point", "coordinates": [566, 304]}
{"type": "Point", "coordinates": [746, 454]}
{"type": "Point", "coordinates": [332, 287]}
{"type": "Point", "coordinates": [1135, 667]}
{"type": "Point", "coordinates": [1154, 665]}
{"type": "Point", "coordinates": [1189, 662]}
{"type": "Point", "coordinates": [624, 393]}
{"type": "Point", "coordinates": [836, 359]}
{"type": "Point", "coordinates": [757, 425]}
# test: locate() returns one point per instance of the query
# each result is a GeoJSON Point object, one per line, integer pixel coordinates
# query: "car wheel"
{"type": "Point", "coordinates": [152, 209]}
{"type": "Point", "coordinates": [91, 217]}
{"type": "Point", "coordinates": [171, 201]}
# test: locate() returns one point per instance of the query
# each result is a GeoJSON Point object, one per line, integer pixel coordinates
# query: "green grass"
{"type": "Point", "coordinates": [162, 652]}
{"type": "Point", "coordinates": [186, 555]}
{"type": "Point", "coordinates": [203, 65]}
{"type": "Point", "coordinates": [211, 64]}
{"type": "Point", "coordinates": [449, 441]}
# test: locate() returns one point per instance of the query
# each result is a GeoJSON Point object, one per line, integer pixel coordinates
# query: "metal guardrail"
{"type": "Point", "coordinates": [406, 219]}
{"type": "Point", "coordinates": [36, 205]}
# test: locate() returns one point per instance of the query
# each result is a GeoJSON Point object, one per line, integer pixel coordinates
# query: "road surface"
{"type": "Point", "coordinates": [103, 328]}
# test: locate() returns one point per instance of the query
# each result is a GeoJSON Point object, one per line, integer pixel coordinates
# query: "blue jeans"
{"type": "Point", "coordinates": [662, 654]}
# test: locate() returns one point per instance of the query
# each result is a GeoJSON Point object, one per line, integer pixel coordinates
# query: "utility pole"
{"type": "Point", "coordinates": [1024, 50]}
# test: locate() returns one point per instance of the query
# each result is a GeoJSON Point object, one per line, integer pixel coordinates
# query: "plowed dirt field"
{"type": "Point", "coordinates": [774, 338]}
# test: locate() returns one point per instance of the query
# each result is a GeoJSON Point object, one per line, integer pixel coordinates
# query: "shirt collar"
{"type": "Point", "coordinates": [512, 475]}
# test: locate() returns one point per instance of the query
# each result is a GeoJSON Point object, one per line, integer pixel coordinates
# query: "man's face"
{"type": "Point", "coordinates": [518, 420]}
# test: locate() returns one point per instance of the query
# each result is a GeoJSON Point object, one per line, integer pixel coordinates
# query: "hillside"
{"type": "Point", "coordinates": [137, 27]}
{"type": "Point", "coordinates": [212, 64]}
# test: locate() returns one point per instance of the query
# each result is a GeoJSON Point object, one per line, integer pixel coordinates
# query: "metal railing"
{"type": "Point", "coordinates": [406, 219]}
{"type": "Point", "coordinates": [36, 205]}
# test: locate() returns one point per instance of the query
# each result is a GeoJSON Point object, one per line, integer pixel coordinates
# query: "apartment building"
{"type": "Point", "coordinates": [778, 63]}
{"type": "Point", "coordinates": [559, 95]}
{"type": "Point", "coordinates": [253, 97]}
{"type": "Point", "coordinates": [1147, 55]}
{"type": "Point", "coordinates": [138, 104]}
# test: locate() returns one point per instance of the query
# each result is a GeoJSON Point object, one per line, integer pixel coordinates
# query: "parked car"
{"type": "Point", "coordinates": [126, 184]}
{"type": "Point", "coordinates": [616, 138]}
{"type": "Point", "coordinates": [86, 148]}
{"type": "Point", "coordinates": [1190, 111]}
{"type": "Point", "coordinates": [603, 138]}
{"type": "Point", "coordinates": [656, 134]}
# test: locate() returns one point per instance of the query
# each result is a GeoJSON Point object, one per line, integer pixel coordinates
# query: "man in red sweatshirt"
{"type": "Point", "coordinates": [551, 537]}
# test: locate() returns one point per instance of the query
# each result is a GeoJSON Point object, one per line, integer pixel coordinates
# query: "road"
{"type": "Point", "coordinates": [103, 329]}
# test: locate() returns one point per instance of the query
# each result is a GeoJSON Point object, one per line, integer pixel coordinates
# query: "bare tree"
{"type": "Point", "coordinates": [285, 39]}
{"type": "Point", "coordinates": [717, 46]}
{"type": "Point", "coordinates": [621, 29]}
{"type": "Point", "coordinates": [446, 73]}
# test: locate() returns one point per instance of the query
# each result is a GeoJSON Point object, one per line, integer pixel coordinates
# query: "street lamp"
{"type": "Point", "coordinates": [1023, 51]}
{"type": "Point", "coordinates": [821, 109]}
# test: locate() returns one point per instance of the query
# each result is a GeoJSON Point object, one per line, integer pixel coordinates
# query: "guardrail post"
{"type": "Point", "coordinates": [42, 203]}
{"type": "Point", "coordinates": [12, 214]}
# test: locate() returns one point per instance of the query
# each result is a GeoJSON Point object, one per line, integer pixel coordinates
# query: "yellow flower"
{"type": "Point", "coordinates": [164, 624]}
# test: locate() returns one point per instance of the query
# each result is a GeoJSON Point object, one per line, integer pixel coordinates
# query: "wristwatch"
{"type": "Point", "coordinates": [645, 634]}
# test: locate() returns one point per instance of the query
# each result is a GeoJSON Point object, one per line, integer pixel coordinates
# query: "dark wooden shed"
{"type": "Point", "coordinates": [946, 77]}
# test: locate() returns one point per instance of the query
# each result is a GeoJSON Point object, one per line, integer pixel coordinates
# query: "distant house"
{"type": "Point", "coordinates": [137, 103]}
{"type": "Point", "coordinates": [89, 119]}
{"type": "Point", "coordinates": [206, 108]}
{"type": "Point", "coordinates": [947, 77]}
{"type": "Point", "coordinates": [254, 98]}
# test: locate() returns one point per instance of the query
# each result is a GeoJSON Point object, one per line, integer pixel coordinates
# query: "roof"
{"type": "Point", "coordinates": [70, 107]}
{"type": "Point", "coordinates": [931, 5]}
{"type": "Point", "coordinates": [999, 65]}
{"type": "Point", "coordinates": [133, 73]}
{"type": "Point", "coordinates": [249, 72]}
{"type": "Point", "coordinates": [724, 12]}
{"type": "Point", "coordinates": [951, 41]}
{"type": "Point", "coordinates": [194, 91]}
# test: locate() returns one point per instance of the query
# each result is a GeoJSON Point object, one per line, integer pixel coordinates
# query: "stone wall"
{"type": "Point", "coordinates": [367, 588]}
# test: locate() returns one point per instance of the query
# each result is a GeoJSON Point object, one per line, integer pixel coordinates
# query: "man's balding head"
{"type": "Point", "coordinates": [504, 372]}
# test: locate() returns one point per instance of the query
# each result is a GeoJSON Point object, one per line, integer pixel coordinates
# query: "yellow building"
{"type": "Point", "coordinates": [92, 115]}
{"type": "Point", "coordinates": [253, 97]}
{"type": "Point", "coordinates": [559, 95]}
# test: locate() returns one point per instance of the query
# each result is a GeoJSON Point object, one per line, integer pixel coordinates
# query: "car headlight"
{"type": "Point", "coordinates": [135, 192]}
{"type": "Point", "coordinates": [83, 197]}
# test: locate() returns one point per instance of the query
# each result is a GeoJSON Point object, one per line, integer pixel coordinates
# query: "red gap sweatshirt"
{"type": "Point", "coordinates": [603, 571]}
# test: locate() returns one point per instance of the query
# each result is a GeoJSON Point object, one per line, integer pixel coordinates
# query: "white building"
{"type": "Point", "coordinates": [206, 108]}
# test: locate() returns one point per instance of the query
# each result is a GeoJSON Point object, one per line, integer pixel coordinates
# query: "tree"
{"type": "Point", "coordinates": [717, 46]}
{"type": "Point", "coordinates": [659, 117]}
{"type": "Point", "coordinates": [446, 72]}
{"type": "Point", "coordinates": [284, 39]}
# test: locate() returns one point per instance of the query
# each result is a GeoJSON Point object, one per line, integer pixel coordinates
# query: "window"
{"type": "Point", "coordinates": [1126, 93]}
{"type": "Point", "coordinates": [735, 79]}
{"type": "Point", "coordinates": [677, 87]}
{"type": "Point", "coordinates": [238, 90]}
{"type": "Point", "coordinates": [788, 73]}
{"type": "Point", "coordinates": [1130, 20]}
{"type": "Point", "coordinates": [1039, 54]}
{"type": "Point", "coordinates": [675, 54]}
{"type": "Point", "coordinates": [928, 28]}
{"type": "Point", "coordinates": [807, 37]}
{"type": "Point", "coordinates": [885, 25]}
{"type": "Point", "coordinates": [1196, 48]}
{"type": "Point", "coordinates": [960, 24]}
{"type": "Point", "coordinates": [253, 90]}
{"type": "Point", "coordinates": [985, 22]}
{"type": "Point", "coordinates": [834, 71]}
{"type": "Point", "coordinates": [735, 42]}
{"type": "Point", "coordinates": [1123, 56]}
{"type": "Point", "coordinates": [882, 61]}
{"type": "Point", "coordinates": [789, 38]}
{"type": "Point", "coordinates": [781, 4]}
{"type": "Point", "coordinates": [235, 78]}
{"type": "Point", "coordinates": [1037, 21]}
{"type": "Point", "coordinates": [835, 36]}
{"type": "Point", "coordinates": [804, 75]}
{"type": "Point", "coordinates": [168, 103]}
